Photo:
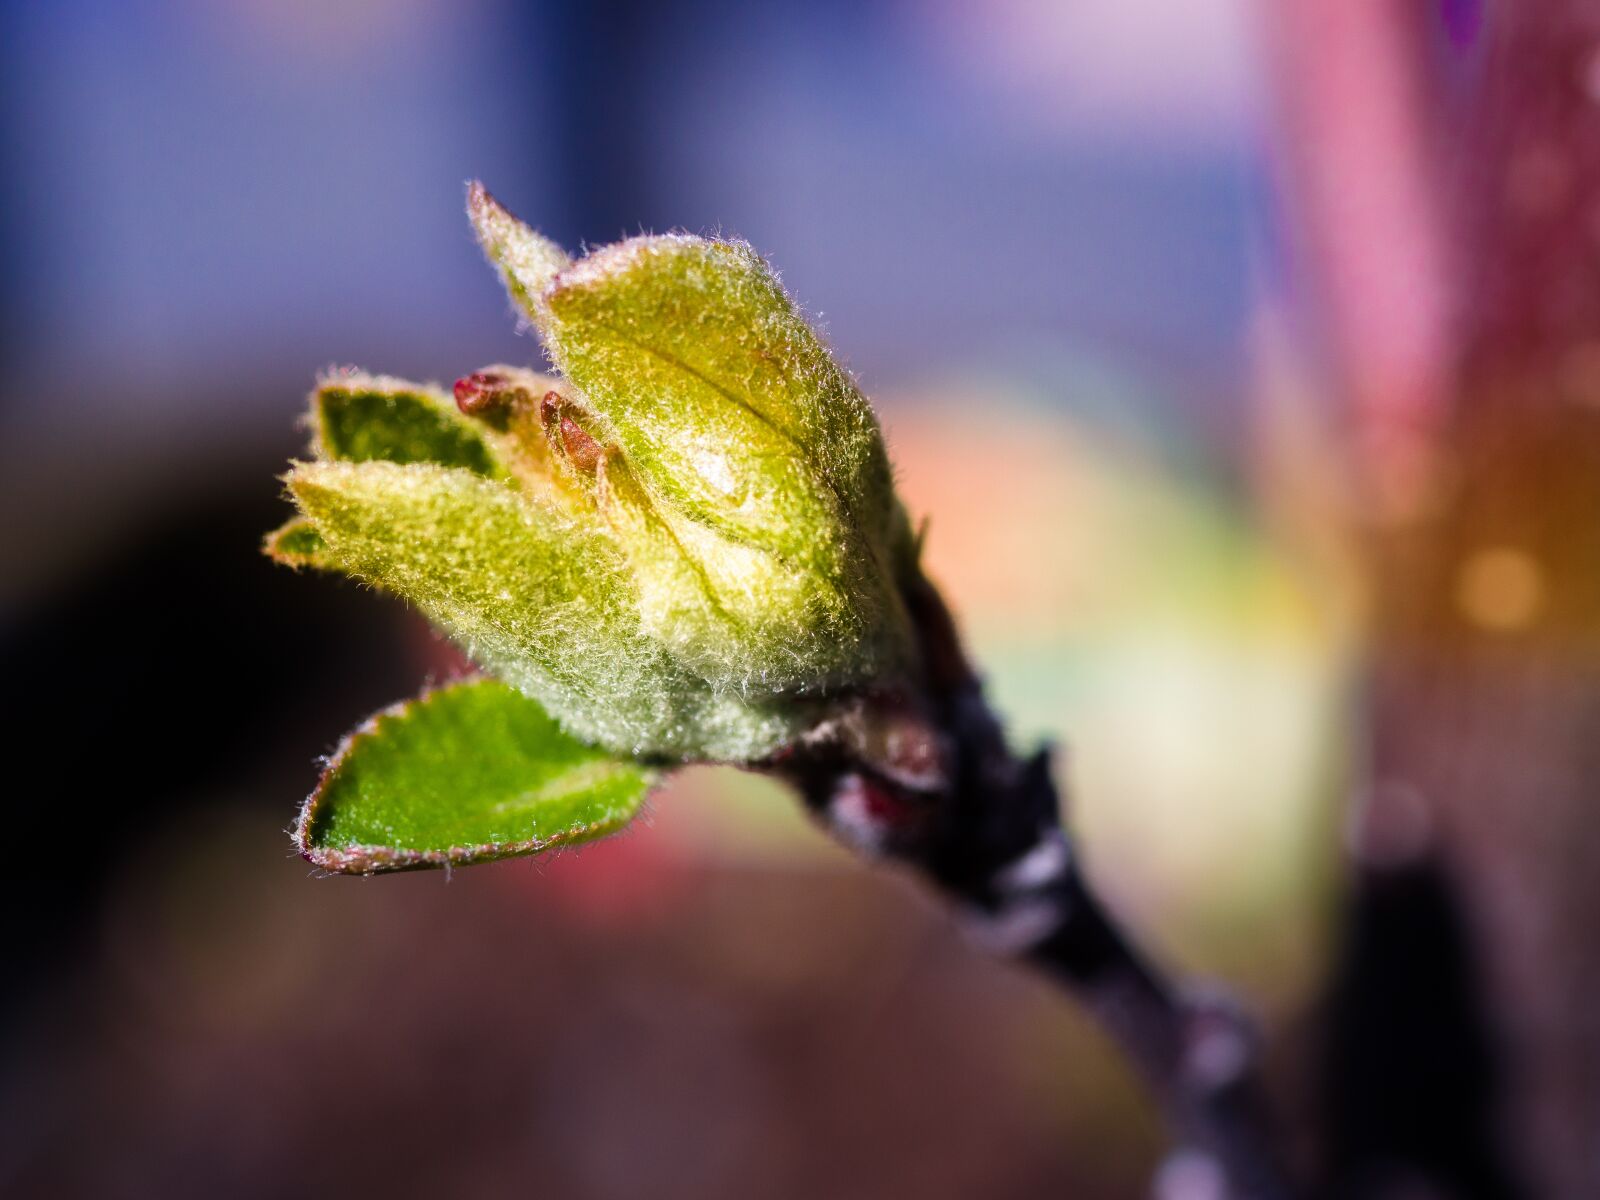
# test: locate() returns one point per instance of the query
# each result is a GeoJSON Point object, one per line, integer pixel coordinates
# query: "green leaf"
{"type": "Point", "coordinates": [538, 596]}
{"type": "Point", "coordinates": [470, 773]}
{"type": "Point", "coordinates": [365, 418]}
{"type": "Point", "coordinates": [297, 544]}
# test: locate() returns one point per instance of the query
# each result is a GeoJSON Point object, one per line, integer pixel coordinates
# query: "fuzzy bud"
{"type": "Point", "coordinates": [685, 547]}
{"type": "Point", "coordinates": [746, 480]}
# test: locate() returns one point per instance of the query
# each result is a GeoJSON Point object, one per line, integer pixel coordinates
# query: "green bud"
{"type": "Point", "coordinates": [537, 596]}
{"type": "Point", "coordinates": [746, 477]}
{"type": "Point", "coordinates": [684, 547]}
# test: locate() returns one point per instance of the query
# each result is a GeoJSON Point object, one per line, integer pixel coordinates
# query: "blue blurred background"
{"type": "Point", "coordinates": [207, 197]}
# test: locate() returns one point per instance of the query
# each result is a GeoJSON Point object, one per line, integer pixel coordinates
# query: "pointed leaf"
{"type": "Point", "coordinates": [526, 261]}
{"type": "Point", "coordinates": [469, 773]}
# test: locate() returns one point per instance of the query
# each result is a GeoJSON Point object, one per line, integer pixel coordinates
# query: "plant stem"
{"type": "Point", "coordinates": [986, 831]}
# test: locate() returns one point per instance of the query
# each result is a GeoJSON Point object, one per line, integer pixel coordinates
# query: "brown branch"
{"type": "Point", "coordinates": [928, 781]}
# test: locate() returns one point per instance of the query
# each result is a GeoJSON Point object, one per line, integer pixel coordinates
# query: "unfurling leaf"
{"type": "Point", "coordinates": [758, 463]}
{"type": "Point", "coordinates": [537, 596]}
{"type": "Point", "coordinates": [526, 261]}
{"type": "Point", "coordinates": [468, 773]}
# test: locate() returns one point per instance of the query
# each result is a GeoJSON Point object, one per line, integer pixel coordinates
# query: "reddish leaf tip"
{"type": "Point", "coordinates": [481, 391]}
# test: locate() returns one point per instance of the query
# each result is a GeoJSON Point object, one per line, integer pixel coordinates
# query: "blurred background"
{"type": "Point", "coordinates": [1245, 358]}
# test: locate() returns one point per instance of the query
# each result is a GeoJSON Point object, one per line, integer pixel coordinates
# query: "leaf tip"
{"type": "Point", "coordinates": [297, 545]}
{"type": "Point", "coordinates": [527, 260]}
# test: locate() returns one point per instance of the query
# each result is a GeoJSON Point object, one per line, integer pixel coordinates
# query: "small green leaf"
{"type": "Point", "coordinates": [470, 773]}
{"type": "Point", "coordinates": [297, 544]}
{"type": "Point", "coordinates": [364, 418]}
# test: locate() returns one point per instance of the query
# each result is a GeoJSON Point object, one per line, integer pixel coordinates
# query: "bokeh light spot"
{"type": "Point", "coordinates": [1501, 589]}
